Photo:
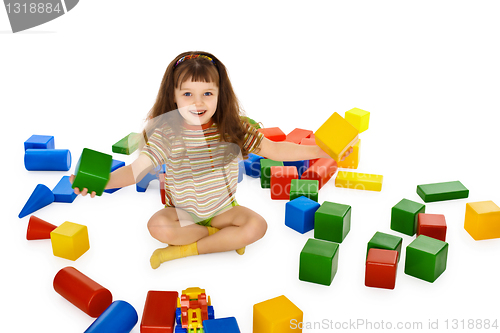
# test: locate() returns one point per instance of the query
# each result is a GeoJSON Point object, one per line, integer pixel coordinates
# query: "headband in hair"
{"type": "Point", "coordinates": [193, 56]}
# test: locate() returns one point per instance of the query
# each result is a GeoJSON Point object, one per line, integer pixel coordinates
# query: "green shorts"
{"type": "Point", "coordinates": [208, 222]}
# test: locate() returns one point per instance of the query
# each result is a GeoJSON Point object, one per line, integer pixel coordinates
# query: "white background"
{"type": "Point", "coordinates": [428, 71]}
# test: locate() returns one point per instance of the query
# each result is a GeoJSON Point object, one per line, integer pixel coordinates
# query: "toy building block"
{"type": "Point", "coordinates": [47, 159]}
{"type": "Point", "coordinates": [128, 144]}
{"type": "Point", "coordinates": [426, 258]}
{"type": "Point", "coordinates": [82, 291]}
{"type": "Point", "coordinates": [301, 166]}
{"type": "Point", "coordinates": [297, 135]}
{"type": "Point", "coordinates": [358, 118]}
{"type": "Point", "coordinates": [193, 307]}
{"type": "Point", "coordinates": [159, 312]}
{"type": "Point", "coordinates": [115, 165]}
{"type": "Point", "coordinates": [161, 178]}
{"type": "Point", "coordinates": [310, 142]}
{"type": "Point", "coordinates": [273, 133]}
{"type": "Point", "coordinates": [319, 261]}
{"type": "Point", "coordinates": [322, 171]}
{"type": "Point", "coordinates": [442, 191]}
{"type": "Point", "coordinates": [432, 225]}
{"type": "Point", "coordinates": [226, 325]}
{"type": "Point", "coordinates": [41, 197]}
{"type": "Point", "coordinates": [92, 171]}
{"type": "Point", "coordinates": [39, 142]}
{"type": "Point", "coordinates": [119, 317]}
{"type": "Point", "coordinates": [304, 187]}
{"type": "Point", "coordinates": [332, 222]}
{"type": "Point", "coordinates": [404, 216]}
{"type": "Point", "coordinates": [281, 178]}
{"type": "Point", "coordinates": [63, 192]}
{"type": "Point", "coordinates": [70, 240]}
{"type": "Point", "coordinates": [299, 214]}
{"type": "Point", "coordinates": [275, 316]}
{"type": "Point", "coordinates": [386, 242]}
{"type": "Point", "coordinates": [336, 136]}
{"type": "Point", "coordinates": [351, 161]}
{"type": "Point", "coordinates": [252, 165]}
{"type": "Point", "coordinates": [265, 171]}
{"type": "Point", "coordinates": [143, 184]}
{"type": "Point", "coordinates": [359, 181]}
{"type": "Point", "coordinates": [38, 229]}
{"type": "Point", "coordinates": [241, 170]}
{"type": "Point", "coordinates": [482, 220]}
{"type": "Point", "coordinates": [381, 268]}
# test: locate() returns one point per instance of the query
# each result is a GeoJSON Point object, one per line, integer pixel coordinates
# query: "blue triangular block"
{"type": "Point", "coordinates": [63, 192]}
{"type": "Point", "coordinates": [41, 197]}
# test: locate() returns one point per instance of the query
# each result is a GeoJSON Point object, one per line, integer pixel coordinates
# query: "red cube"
{"type": "Point", "coordinates": [432, 225]}
{"type": "Point", "coordinates": [381, 268]}
{"type": "Point", "coordinates": [281, 179]}
{"type": "Point", "coordinates": [273, 133]}
{"type": "Point", "coordinates": [322, 171]}
{"type": "Point", "coordinates": [297, 135]}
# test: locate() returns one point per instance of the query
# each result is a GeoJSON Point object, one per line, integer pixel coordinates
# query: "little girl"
{"type": "Point", "coordinates": [193, 128]}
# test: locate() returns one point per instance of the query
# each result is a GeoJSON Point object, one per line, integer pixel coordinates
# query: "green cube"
{"type": "Point", "coordinates": [92, 171]}
{"type": "Point", "coordinates": [404, 216]}
{"type": "Point", "coordinates": [265, 171]}
{"type": "Point", "coordinates": [386, 242]}
{"type": "Point", "coordinates": [128, 144]}
{"type": "Point", "coordinates": [319, 261]}
{"type": "Point", "coordinates": [332, 222]}
{"type": "Point", "coordinates": [442, 191]}
{"type": "Point", "coordinates": [426, 258]}
{"type": "Point", "coordinates": [304, 187]}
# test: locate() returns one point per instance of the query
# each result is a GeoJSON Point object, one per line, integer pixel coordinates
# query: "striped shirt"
{"type": "Point", "coordinates": [201, 172]}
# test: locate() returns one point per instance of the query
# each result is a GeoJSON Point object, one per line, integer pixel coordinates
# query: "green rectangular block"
{"type": "Point", "coordinates": [386, 242]}
{"type": "Point", "coordinates": [318, 261]}
{"type": "Point", "coordinates": [426, 258]}
{"type": "Point", "coordinates": [265, 171]}
{"type": "Point", "coordinates": [128, 144]}
{"type": "Point", "coordinates": [92, 171]}
{"type": "Point", "coordinates": [442, 191]}
{"type": "Point", "coordinates": [404, 216]}
{"type": "Point", "coordinates": [304, 187]}
{"type": "Point", "coordinates": [332, 222]}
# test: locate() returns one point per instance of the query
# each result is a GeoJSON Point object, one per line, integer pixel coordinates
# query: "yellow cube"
{"type": "Point", "coordinates": [277, 315]}
{"type": "Point", "coordinates": [482, 220]}
{"type": "Point", "coordinates": [336, 136]}
{"type": "Point", "coordinates": [352, 161]}
{"type": "Point", "coordinates": [359, 181]}
{"type": "Point", "coordinates": [358, 118]}
{"type": "Point", "coordinates": [70, 240]}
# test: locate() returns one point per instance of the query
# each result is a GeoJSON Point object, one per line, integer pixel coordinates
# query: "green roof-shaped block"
{"type": "Point", "coordinates": [404, 216]}
{"type": "Point", "coordinates": [319, 261]}
{"type": "Point", "coordinates": [332, 222]}
{"type": "Point", "coordinates": [128, 144]}
{"type": "Point", "coordinates": [426, 258]}
{"type": "Point", "coordinates": [92, 171]}
{"type": "Point", "coordinates": [442, 191]}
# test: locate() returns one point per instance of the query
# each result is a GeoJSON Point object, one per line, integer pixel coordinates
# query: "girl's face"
{"type": "Point", "coordinates": [196, 101]}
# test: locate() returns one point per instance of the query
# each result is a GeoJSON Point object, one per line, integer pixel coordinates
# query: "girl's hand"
{"type": "Point", "coordinates": [77, 190]}
{"type": "Point", "coordinates": [347, 153]}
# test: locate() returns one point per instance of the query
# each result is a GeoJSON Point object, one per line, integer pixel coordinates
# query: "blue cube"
{"type": "Point", "coordinates": [299, 214]}
{"type": "Point", "coordinates": [226, 325]}
{"type": "Point", "coordinates": [252, 165]}
{"type": "Point", "coordinates": [39, 142]}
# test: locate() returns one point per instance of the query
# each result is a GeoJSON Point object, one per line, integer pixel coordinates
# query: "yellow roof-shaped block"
{"type": "Point", "coordinates": [277, 315]}
{"type": "Point", "coordinates": [336, 136]}
{"type": "Point", "coordinates": [70, 240]}
{"type": "Point", "coordinates": [482, 220]}
{"type": "Point", "coordinates": [359, 181]}
{"type": "Point", "coordinates": [358, 118]}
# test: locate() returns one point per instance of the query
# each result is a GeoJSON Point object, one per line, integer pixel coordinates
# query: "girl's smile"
{"type": "Point", "coordinates": [196, 101]}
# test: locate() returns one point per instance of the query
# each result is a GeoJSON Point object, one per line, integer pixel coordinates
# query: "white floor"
{"type": "Point", "coordinates": [428, 73]}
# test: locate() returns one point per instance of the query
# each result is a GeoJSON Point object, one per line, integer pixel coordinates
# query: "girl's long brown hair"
{"type": "Point", "coordinates": [200, 69]}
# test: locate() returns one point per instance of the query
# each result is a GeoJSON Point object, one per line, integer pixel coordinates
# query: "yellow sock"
{"type": "Point", "coordinates": [172, 252]}
{"type": "Point", "coordinates": [212, 230]}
